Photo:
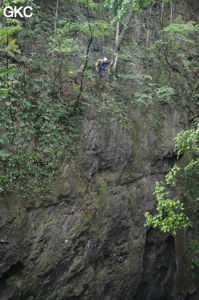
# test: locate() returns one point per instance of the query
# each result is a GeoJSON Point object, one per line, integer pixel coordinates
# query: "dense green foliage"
{"type": "Point", "coordinates": [121, 8]}
{"type": "Point", "coordinates": [44, 64]}
{"type": "Point", "coordinates": [170, 215]}
{"type": "Point", "coordinates": [37, 133]}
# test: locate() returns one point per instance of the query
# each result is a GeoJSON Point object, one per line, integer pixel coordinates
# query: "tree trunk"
{"type": "Point", "coordinates": [162, 13]}
{"type": "Point", "coordinates": [56, 18]}
{"type": "Point", "coordinates": [171, 14]}
{"type": "Point", "coordinates": [116, 46]}
{"type": "Point", "coordinates": [119, 35]}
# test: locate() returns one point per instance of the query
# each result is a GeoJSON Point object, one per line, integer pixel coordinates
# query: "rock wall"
{"type": "Point", "coordinates": [91, 242]}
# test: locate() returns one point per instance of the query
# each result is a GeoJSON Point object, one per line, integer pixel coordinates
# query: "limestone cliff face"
{"type": "Point", "coordinates": [90, 241]}
{"type": "Point", "coordinates": [99, 249]}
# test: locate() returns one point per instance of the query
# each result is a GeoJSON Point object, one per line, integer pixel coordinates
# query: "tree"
{"type": "Point", "coordinates": [56, 17]}
{"type": "Point", "coordinates": [170, 216]}
{"type": "Point", "coordinates": [8, 46]}
{"type": "Point", "coordinates": [122, 11]}
{"type": "Point", "coordinates": [177, 52]}
{"type": "Point", "coordinates": [8, 28]}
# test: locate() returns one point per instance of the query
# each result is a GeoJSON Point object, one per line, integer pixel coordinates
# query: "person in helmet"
{"type": "Point", "coordinates": [100, 66]}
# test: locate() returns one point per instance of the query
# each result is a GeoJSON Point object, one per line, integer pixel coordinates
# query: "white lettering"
{"type": "Point", "coordinates": [10, 12]}
{"type": "Point", "coordinates": [14, 12]}
{"type": "Point", "coordinates": [24, 12]}
{"type": "Point", "coordinates": [17, 11]}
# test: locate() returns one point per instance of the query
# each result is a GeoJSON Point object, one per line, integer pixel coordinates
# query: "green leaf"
{"type": "Point", "coordinates": [3, 91]}
{"type": "Point", "coordinates": [8, 71]}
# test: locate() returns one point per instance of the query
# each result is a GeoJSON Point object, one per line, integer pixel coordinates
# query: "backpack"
{"type": "Point", "coordinates": [98, 61]}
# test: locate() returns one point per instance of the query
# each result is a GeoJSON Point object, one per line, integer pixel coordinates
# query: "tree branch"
{"type": "Point", "coordinates": [86, 61]}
